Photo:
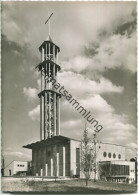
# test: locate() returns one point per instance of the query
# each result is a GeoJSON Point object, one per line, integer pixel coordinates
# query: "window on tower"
{"type": "Point", "coordinates": [49, 57]}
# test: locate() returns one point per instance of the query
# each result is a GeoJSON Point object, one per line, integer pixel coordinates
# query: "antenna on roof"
{"type": "Point", "coordinates": [48, 20]}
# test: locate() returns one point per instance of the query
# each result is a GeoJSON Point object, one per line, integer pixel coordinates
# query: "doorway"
{"type": "Point", "coordinates": [9, 172]}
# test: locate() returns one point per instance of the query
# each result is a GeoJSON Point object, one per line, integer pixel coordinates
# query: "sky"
{"type": "Point", "coordinates": [97, 43]}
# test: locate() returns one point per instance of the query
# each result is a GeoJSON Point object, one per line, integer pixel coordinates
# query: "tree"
{"type": "Point", "coordinates": [105, 170]}
{"type": "Point", "coordinates": [88, 156]}
{"type": "Point", "coordinates": [108, 170]}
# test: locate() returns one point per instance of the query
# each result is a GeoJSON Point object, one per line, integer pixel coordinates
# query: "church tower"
{"type": "Point", "coordinates": [49, 97]}
{"type": "Point", "coordinates": [54, 154]}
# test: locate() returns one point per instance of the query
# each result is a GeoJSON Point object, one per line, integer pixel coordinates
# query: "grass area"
{"type": "Point", "coordinates": [64, 186]}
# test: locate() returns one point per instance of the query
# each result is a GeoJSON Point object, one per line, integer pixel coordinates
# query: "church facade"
{"type": "Point", "coordinates": [57, 155]}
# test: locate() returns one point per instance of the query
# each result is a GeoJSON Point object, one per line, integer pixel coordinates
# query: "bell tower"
{"type": "Point", "coordinates": [49, 98]}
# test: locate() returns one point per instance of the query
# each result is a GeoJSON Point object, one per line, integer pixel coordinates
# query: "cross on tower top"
{"type": "Point", "coordinates": [48, 21]}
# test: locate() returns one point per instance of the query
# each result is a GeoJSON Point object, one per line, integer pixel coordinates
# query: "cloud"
{"type": "Point", "coordinates": [39, 84]}
{"type": "Point", "coordinates": [30, 93]}
{"type": "Point", "coordinates": [115, 51]}
{"type": "Point", "coordinates": [88, 93]}
{"type": "Point", "coordinates": [80, 86]}
{"type": "Point", "coordinates": [97, 105]}
{"type": "Point", "coordinates": [132, 145]}
{"type": "Point", "coordinates": [133, 101]}
{"type": "Point", "coordinates": [18, 154]}
{"type": "Point", "coordinates": [17, 53]}
{"type": "Point", "coordinates": [82, 22]}
{"type": "Point", "coordinates": [131, 149]}
{"type": "Point", "coordinates": [35, 113]}
{"type": "Point", "coordinates": [9, 152]}
{"type": "Point", "coordinates": [116, 128]}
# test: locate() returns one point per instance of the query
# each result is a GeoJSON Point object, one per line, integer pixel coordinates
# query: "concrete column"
{"type": "Point", "coordinates": [41, 118]}
{"type": "Point", "coordinates": [57, 58]}
{"type": "Point", "coordinates": [49, 51]}
{"type": "Point", "coordinates": [46, 168]}
{"type": "Point", "coordinates": [64, 161]}
{"type": "Point", "coordinates": [54, 103]}
{"type": "Point", "coordinates": [36, 171]}
{"type": "Point", "coordinates": [43, 121]}
{"type": "Point", "coordinates": [72, 159]}
{"type": "Point", "coordinates": [41, 160]}
{"type": "Point", "coordinates": [49, 114]}
{"type": "Point", "coordinates": [36, 156]}
{"type": "Point", "coordinates": [54, 53]}
{"type": "Point", "coordinates": [41, 172]}
{"type": "Point", "coordinates": [42, 55]}
{"type": "Point", "coordinates": [54, 73]}
{"type": "Point", "coordinates": [45, 117]}
{"type": "Point", "coordinates": [55, 115]}
{"type": "Point", "coordinates": [51, 162]}
{"type": "Point", "coordinates": [58, 115]}
{"type": "Point", "coordinates": [33, 161]}
{"type": "Point", "coordinates": [46, 52]}
{"type": "Point", "coordinates": [45, 76]}
{"type": "Point", "coordinates": [42, 79]}
{"type": "Point", "coordinates": [49, 73]}
{"type": "Point", "coordinates": [57, 75]}
{"type": "Point", "coordinates": [57, 165]}
{"type": "Point", "coordinates": [45, 155]}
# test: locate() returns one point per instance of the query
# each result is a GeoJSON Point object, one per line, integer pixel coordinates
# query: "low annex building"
{"type": "Point", "coordinates": [113, 157]}
{"type": "Point", "coordinates": [17, 168]}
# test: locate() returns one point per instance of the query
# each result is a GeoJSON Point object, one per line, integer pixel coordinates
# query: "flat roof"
{"type": "Point", "coordinates": [57, 139]}
{"type": "Point", "coordinates": [115, 161]}
{"type": "Point", "coordinates": [49, 141]}
{"type": "Point", "coordinates": [42, 64]}
{"type": "Point", "coordinates": [51, 43]}
{"type": "Point", "coordinates": [112, 144]}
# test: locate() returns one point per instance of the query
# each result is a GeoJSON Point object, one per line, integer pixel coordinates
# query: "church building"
{"type": "Point", "coordinates": [57, 155]}
{"type": "Point", "coordinates": [53, 155]}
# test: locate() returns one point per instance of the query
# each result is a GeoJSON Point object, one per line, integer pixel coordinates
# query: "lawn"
{"type": "Point", "coordinates": [64, 186]}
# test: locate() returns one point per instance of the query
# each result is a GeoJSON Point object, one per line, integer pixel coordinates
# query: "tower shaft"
{"type": "Point", "coordinates": [49, 97]}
